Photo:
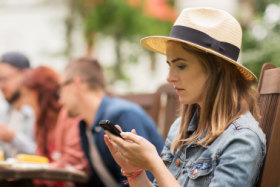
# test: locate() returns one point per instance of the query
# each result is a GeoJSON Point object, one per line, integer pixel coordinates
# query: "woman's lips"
{"type": "Point", "coordinates": [178, 90]}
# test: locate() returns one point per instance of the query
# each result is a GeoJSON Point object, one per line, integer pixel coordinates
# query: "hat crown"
{"type": "Point", "coordinates": [208, 29]}
{"type": "Point", "coordinates": [216, 23]}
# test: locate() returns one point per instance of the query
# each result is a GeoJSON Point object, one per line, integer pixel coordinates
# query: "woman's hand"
{"type": "Point", "coordinates": [113, 148]}
{"type": "Point", "coordinates": [136, 151]}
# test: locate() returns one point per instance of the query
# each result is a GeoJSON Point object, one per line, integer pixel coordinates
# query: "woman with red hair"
{"type": "Point", "coordinates": [41, 86]}
{"type": "Point", "coordinates": [56, 134]}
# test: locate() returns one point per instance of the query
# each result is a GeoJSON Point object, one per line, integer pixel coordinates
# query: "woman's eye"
{"type": "Point", "coordinates": [181, 66]}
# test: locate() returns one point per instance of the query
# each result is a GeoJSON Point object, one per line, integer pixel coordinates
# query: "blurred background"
{"type": "Point", "coordinates": [50, 32]}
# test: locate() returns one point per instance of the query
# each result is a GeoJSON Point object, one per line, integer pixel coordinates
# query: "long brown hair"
{"type": "Point", "coordinates": [45, 82]}
{"type": "Point", "coordinates": [228, 95]}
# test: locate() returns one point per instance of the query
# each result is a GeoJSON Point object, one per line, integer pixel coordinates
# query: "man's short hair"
{"type": "Point", "coordinates": [16, 59]}
{"type": "Point", "coordinates": [89, 70]}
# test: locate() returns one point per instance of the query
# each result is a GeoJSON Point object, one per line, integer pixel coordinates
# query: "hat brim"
{"type": "Point", "coordinates": [158, 44]}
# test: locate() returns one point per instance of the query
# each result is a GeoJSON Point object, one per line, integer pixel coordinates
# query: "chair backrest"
{"type": "Point", "coordinates": [165, 108]}
{"type": "Point", "coordinates": [269, 90]}
{"type": "Point", "coordinates": [145, 100]}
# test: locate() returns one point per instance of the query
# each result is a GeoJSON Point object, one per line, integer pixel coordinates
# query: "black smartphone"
{"type": "Point", "coordinates": [108, 125]}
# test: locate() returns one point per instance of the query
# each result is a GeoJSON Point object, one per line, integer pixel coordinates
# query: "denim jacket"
{"type": "Point", "coordinates": [233, 159]}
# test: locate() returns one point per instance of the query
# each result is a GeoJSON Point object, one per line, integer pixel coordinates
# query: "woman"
{"type": "Point", "coordinates": [217, 140]}
{"type": "Point", "coordinates": [40, 87]}
{"type": "Point", "coordinates": [56, 134]}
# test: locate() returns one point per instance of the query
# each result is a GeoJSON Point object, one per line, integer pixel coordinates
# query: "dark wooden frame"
{"type": "Point", "coordinates": [269, 101]}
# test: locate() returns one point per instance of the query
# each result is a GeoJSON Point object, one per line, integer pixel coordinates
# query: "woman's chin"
{"type": "Point", "coordinates": [186, 101]}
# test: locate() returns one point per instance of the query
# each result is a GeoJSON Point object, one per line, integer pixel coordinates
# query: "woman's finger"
{"type": "Point", "coordinates": [114, 139]}
{"type": "Point", "coordinates": [113, 147]}
{"type": "Point", "coordinates": [121, 144]}
{"type": "Point", "coordinates": [110, 145]}
{"type": "Point", "coordinates": [132, 137]}
{"type": "Point", "coordinates": [111, 135]}
{"type": "Point", "coordinates": [133, 131]}
{"type": "Point", "coordinates": [118, 127]}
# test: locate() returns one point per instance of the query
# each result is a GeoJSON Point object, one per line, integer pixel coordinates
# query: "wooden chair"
{"type": "Point", "coordinates": [269, 90]}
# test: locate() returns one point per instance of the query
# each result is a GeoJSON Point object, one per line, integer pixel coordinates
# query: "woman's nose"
{"type": "Point", "coordinates": [171, 77]}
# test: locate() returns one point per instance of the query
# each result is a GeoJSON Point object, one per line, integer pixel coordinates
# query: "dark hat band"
{"type": "Point", "coordinates": [200, 38]}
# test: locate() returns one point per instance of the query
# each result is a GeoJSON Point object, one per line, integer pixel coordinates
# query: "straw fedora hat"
{"type": "Point", "coordinates": [212, 30]}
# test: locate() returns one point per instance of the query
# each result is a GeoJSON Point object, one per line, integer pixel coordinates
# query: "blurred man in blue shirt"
{"type": "Point", "coordinates": [83, 92]}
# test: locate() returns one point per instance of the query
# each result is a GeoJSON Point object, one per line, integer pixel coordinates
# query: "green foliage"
{"type": "Point", "coordinates": [258, 50]}
{"type": "Point", "coordinates": [262, 4]}
{"type": "Point", "coordinates": [123, 22]}
{"type": "Point", "coordinates": [126, 24]}
{"type": "Point", "coordinates": [118, 18]}
{"type": "Point", "coordinates": [267, 50]}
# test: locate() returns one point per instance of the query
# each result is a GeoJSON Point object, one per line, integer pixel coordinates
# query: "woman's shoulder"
{"type": "Point", "coordinates": [248, 124]}
{"type": "Point", "coordinates": [243, 132]}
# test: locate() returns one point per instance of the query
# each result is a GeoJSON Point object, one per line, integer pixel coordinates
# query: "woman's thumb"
{"type": "Point", "coordinates": [133, 131]}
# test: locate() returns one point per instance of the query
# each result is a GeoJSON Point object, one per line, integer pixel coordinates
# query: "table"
{"type": "Point", "coordinates": [10, 173]}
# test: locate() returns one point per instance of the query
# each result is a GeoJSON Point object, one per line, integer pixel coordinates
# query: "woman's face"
{"type": "Point", "coordinates": [186, 73]}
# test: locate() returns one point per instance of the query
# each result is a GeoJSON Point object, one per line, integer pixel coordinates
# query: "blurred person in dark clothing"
{"type": "Point", "coordinates": [16, 121]}
{"type": "Point", "coordinates": [83, 92]}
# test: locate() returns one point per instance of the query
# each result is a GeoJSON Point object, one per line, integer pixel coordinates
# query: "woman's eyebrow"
{"type": "Point", "coordinates": [177, 59]}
